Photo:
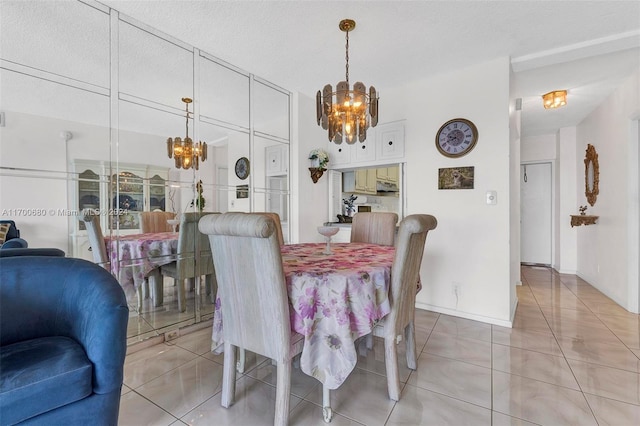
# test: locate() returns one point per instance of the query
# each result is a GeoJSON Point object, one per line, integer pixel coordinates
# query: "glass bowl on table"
{"type": "Point", "coordinates": [328, 232]}
{"type": "Point", "coordinates": [174, 223]}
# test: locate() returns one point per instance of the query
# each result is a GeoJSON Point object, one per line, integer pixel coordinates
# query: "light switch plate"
{"type": "Point", "coordinates": [492, 198]}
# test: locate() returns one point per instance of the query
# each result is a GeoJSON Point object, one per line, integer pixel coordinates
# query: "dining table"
{"type": "Point", "coordinates": [334, 299]}
{"type": "Point", "coordinates": [134, 256]}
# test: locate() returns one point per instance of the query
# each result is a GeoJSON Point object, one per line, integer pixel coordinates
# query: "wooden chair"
{"type": "Point", "coordinates": [99, 252]}
{"type": "Point", "coordinates": [399, 324]}
{"type": "Point", "coordinates": [255, 305]}
{"type": "Point", "coordinates": [156, 222]}
{"type": "Point", "coordinates": [374, 227]}
{"type": "Point", "coordinates": [194, 258]}
{"type": "Point", "coordinates": [276, 221]}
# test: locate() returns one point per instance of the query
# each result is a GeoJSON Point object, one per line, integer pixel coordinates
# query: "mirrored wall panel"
{"type": "Point", "coordinates": [101, 155]}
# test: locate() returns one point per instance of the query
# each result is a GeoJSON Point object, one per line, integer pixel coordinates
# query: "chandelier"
{"type": "Point", "coordinates": [554, 99]}
{"type": "Point", "coordinates": [346, 113]}
{"type": "Point", "coordinates": [186, 153]}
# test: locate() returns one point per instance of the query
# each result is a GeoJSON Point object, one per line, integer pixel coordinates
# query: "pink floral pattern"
{"type": "Point", "coordinates": [134, 256]}
{"type": "Point", "coordinates": [334, 299]}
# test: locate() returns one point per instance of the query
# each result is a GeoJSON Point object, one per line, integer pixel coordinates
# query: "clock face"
{"type": "Point", "coordinates": [242, 168]}
{"type": "Point", "coordinates": [456, 137]}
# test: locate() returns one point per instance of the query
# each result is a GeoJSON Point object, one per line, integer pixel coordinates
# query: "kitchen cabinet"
{"type": "Point", "coordinates": [384, 142]}
{"type": "Point", "coordinates": [390, 141]}
{"type": "Point", "coordinates": [388, 174]}
{"type": "Point", "coordinates": [366, 181]}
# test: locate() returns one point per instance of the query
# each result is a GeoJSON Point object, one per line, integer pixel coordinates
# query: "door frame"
{"type": "Point", "coordinates": [554, 212]}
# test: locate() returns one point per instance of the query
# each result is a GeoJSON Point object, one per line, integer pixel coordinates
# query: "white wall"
{"type": "Point", "coordinates": [470, 247]}
{"type": "Point", "coordinates": [602, 248]}
{"type": "Point", "coordinates": [566, 201]}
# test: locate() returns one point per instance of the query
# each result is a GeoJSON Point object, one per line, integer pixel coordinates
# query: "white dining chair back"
{"type": "Point", "coordinates": [277, 222]}
{"type": "Point", "coordinates": [374, 228]}
{"type": "Point", "coordinates": [151, 222]}
{"type": "Point", "coordinates": [399, 323]}
{"type": "Point", "coordinates": [193, 257]}
{"type": "Point", "coordinates": [254, 301]}
{"type": "Point", "coordinates": [96, 238]}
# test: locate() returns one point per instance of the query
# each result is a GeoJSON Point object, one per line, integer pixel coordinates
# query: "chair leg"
{"type": "Point", "coordinates": [410, 342]}
{"type": "Point", "coordinates": [327, 412]}
{"type": "Point", "coordinates": [182, 298]}
{"type": "Point", "coordinates": [157, 289]}
{"type": "Point", "coordinates": [212, 287]}
{"type": "Point", "coordinates": [391, 364]}
{"type": "Point", "coordinates": [283, 393]}
{"type": "Point", "coordinates": [228, 376]}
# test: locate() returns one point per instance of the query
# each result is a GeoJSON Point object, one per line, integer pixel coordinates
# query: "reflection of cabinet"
{"type": "Point", "coordinates": [277, 157]}
{"type": "Point", "coordinates": [133, 189]}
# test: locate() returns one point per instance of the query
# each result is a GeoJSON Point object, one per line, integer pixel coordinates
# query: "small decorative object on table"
{"type": "Point", "coordinates": [350, 209]}
{"type": "Point", "coordinates": [174, 223]}
{"type": "Point", "coordinates": [318, 161]}
{"type": "Point", "coordinates": [583, 210]}
{"type": "Point", "coordinates": [328, 232]}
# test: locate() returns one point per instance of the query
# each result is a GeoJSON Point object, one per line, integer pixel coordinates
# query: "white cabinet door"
{"type": "Point", "coordinates": [365, 151]}
{"type": "Point", "coordinates": [390, 141]}
{"type": "Point", "coordinates": [339, 154]}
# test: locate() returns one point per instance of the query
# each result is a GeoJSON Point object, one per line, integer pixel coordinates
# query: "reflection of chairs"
{"type": "Point", "coordinates": [253, 293]}
{"type": "Point", "coordinates": [374, 228]}
{"type": "Point", "coordinates": [99, 251]}
{"type": "Point", "coordinates": [63, 327]}
{"type": "Point", "coordinates": [156, 221]}
{"type": "Point", "coordinates": [276, 221]}
{"type": "Point", "coordinates": [398, 325]}
{"type": "Point", "coordinates": [190, 242]}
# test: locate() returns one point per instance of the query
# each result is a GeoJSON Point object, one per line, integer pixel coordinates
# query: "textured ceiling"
{"type": "Point", "coordinates": [585, 47]}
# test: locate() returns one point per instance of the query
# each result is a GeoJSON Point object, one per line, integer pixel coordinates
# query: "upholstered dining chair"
{"type": "Point", "coordinates": [156, 221]}
{"type": "Point", "coordinates": [399, 323]}
{"type": "Point", "coordinates": [276, 221]}
{"type": "Point", "coordinates": [374, 228]}
{"type": "Point", "coordinates": [194, 258]}
{"type": "Point", "coordinates": [100, 257]}
{"type": "Point", "coordinates": [253, 293]}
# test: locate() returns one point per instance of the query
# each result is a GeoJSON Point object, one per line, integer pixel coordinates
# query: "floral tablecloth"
{"type": "Point", "coordinates": [134, 256]}
{"type": "Point", "coordinates": [334, 299]}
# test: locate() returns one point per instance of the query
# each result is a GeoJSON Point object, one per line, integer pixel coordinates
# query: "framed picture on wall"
{"type": "Point", "coordinates": [242, 191]}
{"type": "Point", "coordinates": [456, 178]}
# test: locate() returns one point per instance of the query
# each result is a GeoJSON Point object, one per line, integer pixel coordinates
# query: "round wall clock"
{"type": "Point", "coordinates": [456, 137]}
{"type": "Point", "coordinates": [242, 168]}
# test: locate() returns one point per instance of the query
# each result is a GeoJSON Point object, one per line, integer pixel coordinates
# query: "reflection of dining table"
{"type": "Point", "coordinates": [333, 300]}
{"type": "Point", "coordinates": [134, 256]}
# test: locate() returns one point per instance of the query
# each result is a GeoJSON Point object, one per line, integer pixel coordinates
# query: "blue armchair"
{"type": "Point", "coordinates": [63, 324]}
{"type": "Point", "coordinates": [12, 238]}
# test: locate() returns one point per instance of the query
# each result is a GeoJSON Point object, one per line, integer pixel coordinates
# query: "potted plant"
{"type": "Point", "coordinates": [319, 158]}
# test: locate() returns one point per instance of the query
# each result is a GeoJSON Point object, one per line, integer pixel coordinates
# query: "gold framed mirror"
{"type": "Point", "coordinates": [591, 174]}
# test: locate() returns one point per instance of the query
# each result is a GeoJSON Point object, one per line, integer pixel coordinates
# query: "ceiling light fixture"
{"type": "Point", "coordinates": [186, 153]}
{"type": "Point", "coordinates": [345, 113]}
{"type": "Point", "coordinates": [554, 99]}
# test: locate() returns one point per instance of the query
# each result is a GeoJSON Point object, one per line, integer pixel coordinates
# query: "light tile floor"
{"type": "Point", "coordinates": [572, 358]}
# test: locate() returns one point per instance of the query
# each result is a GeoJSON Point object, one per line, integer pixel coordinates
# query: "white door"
{"type": "Point", "coordinates": [535, 213]}
{"type": "Point", "coordinates": [222, 194]}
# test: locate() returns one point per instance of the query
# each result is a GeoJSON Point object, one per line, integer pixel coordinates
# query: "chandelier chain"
{"type": "Point", "coordinates": [346, 56]}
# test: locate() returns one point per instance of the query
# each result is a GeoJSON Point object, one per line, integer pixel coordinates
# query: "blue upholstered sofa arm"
{"type": "Point", "coordinates": [55, 296]}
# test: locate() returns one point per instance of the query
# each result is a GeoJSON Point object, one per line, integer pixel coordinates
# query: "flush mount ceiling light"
{"type": "Point", "coordinates": [554, 99]}
{"type": "Point", "coordinates": [347, 114]}
{"type": "Point", "coordinates": [186, 153]}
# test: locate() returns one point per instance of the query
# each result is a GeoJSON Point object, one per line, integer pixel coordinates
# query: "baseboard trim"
{"type": "Point", "coordinates": [467, 315]}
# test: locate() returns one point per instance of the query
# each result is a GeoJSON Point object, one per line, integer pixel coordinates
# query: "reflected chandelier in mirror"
{"type": "Point", "coordinates": [591, 175]}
